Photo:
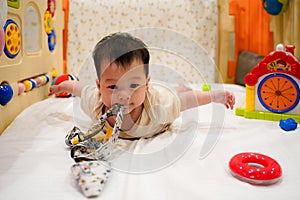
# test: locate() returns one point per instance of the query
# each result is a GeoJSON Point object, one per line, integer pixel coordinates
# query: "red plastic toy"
{"type": "Point", "coordinates": [255, 168]}
{"type": "Point", "coordinates": [60, 79]}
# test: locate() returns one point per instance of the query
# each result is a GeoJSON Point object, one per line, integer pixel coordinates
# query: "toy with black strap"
{"type": "Point", "coordinates": [95, 144]}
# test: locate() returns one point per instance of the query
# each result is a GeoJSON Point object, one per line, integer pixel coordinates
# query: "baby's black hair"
{"type": "Point", "coordinates": [121, 48]}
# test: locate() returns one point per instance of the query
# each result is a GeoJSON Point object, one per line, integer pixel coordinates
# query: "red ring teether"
{"type": "Point", "coordinates": [255, 168]}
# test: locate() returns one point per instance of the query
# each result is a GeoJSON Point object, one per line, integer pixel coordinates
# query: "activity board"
{"type": "Point", "coordinates": [30, 47]}
{"type": "Point", "coordinates": [272, 87]}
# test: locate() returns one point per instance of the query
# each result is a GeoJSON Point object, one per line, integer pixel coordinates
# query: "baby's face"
{"type": "Point", "coordinates": [124, 86]}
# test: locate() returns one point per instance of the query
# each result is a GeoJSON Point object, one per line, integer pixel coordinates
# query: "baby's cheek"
{"type": "Point", "coordinates": [138, 97]}
{"type": "Point", "coordinates": [107, 100]}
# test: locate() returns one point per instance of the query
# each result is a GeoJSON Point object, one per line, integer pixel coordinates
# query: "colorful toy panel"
{"type": "Point", "coordinates": [29, 49]}
{"type": "Point", "coordinates": [272, 87]}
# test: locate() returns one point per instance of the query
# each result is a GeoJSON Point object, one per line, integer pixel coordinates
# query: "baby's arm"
{"type": "Point", "coordinates": [73, 87]}
{"type": "Point", "coordinates": [190, 98]}
{"type": "Point", "coordinates": [224, 97]}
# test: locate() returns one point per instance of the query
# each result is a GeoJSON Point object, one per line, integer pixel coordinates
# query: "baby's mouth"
{"type": "Point", "coordinates": [126, 108]}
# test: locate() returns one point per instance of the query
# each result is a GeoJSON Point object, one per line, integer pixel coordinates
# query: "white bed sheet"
{"type": "Point", "coordinates": [35, 162]}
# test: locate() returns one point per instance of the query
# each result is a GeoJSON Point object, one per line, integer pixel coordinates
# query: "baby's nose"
{"type": "Point", "coordinates": [123, 96]}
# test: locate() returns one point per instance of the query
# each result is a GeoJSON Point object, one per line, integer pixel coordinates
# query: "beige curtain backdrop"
{"type": "Point", "coordinates": [192, 20]}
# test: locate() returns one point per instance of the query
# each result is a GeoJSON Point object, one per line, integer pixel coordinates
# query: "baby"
{"type": "Point", "coordinates": [122, 65]}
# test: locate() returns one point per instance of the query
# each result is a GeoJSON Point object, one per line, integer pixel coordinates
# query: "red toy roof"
{"type": "Point", "coordinates": [276, 61]}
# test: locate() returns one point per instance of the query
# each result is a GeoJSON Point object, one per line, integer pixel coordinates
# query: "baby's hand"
{"type": "Point", "coordinates": [72, 87]}
{"type": "Point", "coordinates": [224, 97]}
{"type": "Point", "coordinates": [54, 89]}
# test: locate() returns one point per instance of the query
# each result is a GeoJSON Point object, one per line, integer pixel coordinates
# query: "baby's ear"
{"type": "Point", "coordinates": [98, 84]}
{"type": "Point", "coordinates": [147, 81]}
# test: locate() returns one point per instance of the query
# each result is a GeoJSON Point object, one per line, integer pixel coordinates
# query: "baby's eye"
{"type": "Point", "coordinates": [113, 87]}
{"type": "Point", "coordinates": [134, 85]}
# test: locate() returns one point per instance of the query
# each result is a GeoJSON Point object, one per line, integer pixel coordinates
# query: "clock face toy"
{"type": "Point", "coordinates": [278, 93]}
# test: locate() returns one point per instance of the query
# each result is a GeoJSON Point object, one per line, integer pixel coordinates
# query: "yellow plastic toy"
{"type": "Point", "coordinates": [48, 22]}
{"type": "Point", "coordinates": [28, 85]}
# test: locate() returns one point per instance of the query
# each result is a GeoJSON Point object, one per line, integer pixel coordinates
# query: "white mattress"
{"type": "Point", "coordinates": [188, 162]}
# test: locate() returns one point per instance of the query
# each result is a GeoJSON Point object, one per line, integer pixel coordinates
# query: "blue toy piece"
{"type": "Point", "coordinates": [33, 83]}
{"type": "Point", "coordinates": [47, 78]}
{"type": "Point", "coordinates": [51, 40]}
{"type": "Point", "coordinates": [275, 7]}
{"type": "Point", "coordinates": [288, 124]}
{"type": "Point", "coordinates": [6, 93]}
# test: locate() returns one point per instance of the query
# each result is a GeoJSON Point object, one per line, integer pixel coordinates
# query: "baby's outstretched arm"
{"type": "Point", "coordinates": [73, 87]}
{"type": "Point", "coordinates": [192, 98]}
{"type": "Point", "coordinates": [224, 97]}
